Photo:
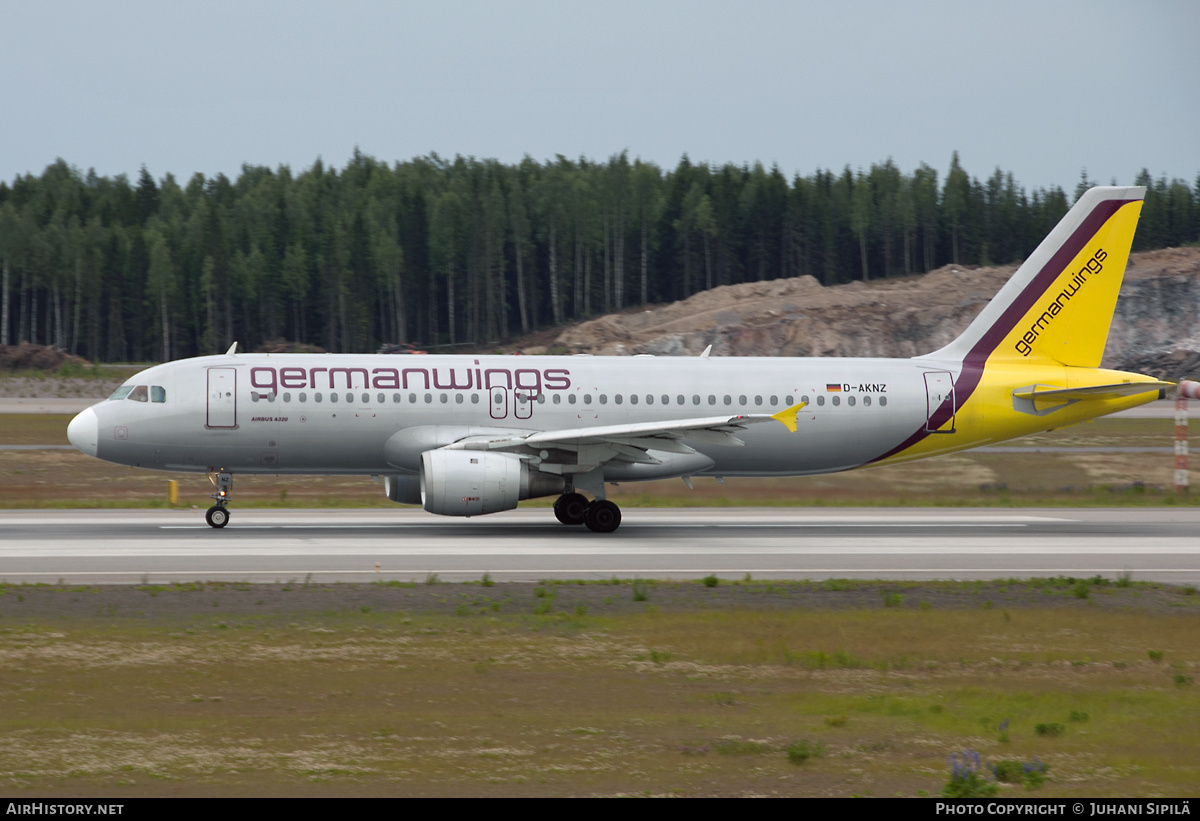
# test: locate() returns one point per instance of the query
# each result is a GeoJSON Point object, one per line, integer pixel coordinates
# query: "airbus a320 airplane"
{"type": "Point", "coordinates": [465, 436]}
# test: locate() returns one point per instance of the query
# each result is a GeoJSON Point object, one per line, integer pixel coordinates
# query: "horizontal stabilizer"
{"type": "Point", "coordinates": [1115, 391]}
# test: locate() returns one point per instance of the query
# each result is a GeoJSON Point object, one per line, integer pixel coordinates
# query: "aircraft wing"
{"type": "Point", "coordinates": [588, 448]}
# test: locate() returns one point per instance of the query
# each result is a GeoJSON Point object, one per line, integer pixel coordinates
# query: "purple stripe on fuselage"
{"type": "Point", "coordinates": [976, 358]}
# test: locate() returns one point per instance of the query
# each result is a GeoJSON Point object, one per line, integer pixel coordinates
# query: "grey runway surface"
{"type": "Point", "coordinates": [131, 546]}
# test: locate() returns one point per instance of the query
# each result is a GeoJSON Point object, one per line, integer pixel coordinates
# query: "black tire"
{"type": "Point", "coordinates": [217, 516]}
{"type": "Point", "coordinates": [603, 516]}
{"type": "Point", "coordinates": [571, 508]}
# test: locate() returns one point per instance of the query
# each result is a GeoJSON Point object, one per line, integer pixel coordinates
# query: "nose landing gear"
{"type": "Point", "coordinates": [218, 515]}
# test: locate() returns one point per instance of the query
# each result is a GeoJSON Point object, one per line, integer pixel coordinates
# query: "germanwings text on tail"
{"type": "Point", "coordinates": [465, 436]}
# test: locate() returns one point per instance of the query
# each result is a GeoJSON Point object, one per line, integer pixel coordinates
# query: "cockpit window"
{"type": "Point", "coordinates": [121, 392]}
{"type": "Point", "coordinates": [158, 393]}
{"type": "Point", "coordinates": [139, 394]}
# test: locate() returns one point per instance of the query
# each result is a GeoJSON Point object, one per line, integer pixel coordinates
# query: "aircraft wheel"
{"type": "Point", "coordinates": [603, 516]}
{"type": "Point", "coordinates": [571, 508]}
{"type": "Point", "coordinates": [217, 516]}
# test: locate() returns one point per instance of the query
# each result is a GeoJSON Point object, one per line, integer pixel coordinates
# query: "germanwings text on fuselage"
{"type": "Point", "coordinates": [534, 380]}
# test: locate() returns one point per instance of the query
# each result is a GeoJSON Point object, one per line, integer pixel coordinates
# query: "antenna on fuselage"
{"type": "Point", "coordinates": [233, 350]}
{"type": "Point", "coordinates": [706, 352]}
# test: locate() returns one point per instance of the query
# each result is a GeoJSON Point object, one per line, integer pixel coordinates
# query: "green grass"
{"type": "Point", "coordinates": [34, 428]}
{"type": "Point", "coordinates": [363, 701]}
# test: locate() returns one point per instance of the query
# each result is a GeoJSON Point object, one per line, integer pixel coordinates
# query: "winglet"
{"type": "Point", "coordinates": [788, 416]}
{"type": "Point", "coordinates": [232, 350]}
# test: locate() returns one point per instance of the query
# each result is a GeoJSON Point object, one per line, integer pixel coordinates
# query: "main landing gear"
{"type": "Point", "coordinates": [600, 516]}
{"type": "Point", "coordinates": [218, 515]}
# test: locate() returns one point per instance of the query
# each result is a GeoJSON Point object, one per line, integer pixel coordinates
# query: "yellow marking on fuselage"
{"type": "Point", "coordinates": [788, 416]}
{"type": "Point", "coordinates": [990, 415]}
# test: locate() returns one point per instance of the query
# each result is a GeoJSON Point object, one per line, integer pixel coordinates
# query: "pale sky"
{"type": "Point", "coordinates": [1042, 89]}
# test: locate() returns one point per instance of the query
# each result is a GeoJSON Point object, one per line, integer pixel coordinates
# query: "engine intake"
{"type": "Point", "coordinates": [472, 483]}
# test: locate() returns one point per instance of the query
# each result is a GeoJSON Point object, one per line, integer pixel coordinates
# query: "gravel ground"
{"type": "Point", "coordinates": [298, 600]}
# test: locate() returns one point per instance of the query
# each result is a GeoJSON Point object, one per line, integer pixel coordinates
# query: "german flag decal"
{"type": "Point", "coordinates": [833, 387]}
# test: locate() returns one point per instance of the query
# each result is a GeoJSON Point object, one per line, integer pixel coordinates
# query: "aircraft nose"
{"type": "Point", "coordinates": [84, 431]}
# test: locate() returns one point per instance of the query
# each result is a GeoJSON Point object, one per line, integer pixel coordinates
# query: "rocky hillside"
{"type": "Point", "coordinates": [1156, 328]}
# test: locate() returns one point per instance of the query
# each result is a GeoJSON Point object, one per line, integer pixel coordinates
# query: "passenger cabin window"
{"type": "Point", "coordinates": [139, 394]}
{"type": "Point", "coordinates": [158, 393]}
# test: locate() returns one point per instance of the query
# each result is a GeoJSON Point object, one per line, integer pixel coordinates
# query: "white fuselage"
{"type": "Point", "coordinates": [375, 414]}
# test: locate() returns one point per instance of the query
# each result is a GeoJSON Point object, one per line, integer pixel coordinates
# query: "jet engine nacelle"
{"type": "Point", "coordinates": [471, 483]}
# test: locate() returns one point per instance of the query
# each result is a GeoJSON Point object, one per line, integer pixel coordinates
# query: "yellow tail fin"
{"type": "Point", "coordinates": [1059, 304]}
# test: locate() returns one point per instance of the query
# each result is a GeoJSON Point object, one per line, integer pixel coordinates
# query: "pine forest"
{"type": "Point", "coordinates": [454, 253]}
